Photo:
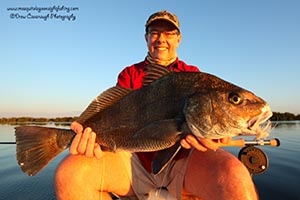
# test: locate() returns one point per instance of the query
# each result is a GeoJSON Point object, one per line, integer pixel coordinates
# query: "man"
{"type": "Point", "coordinates": [201, 171]}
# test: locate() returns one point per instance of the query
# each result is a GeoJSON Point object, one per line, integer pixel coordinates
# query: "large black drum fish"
{"type": "Point", "coordinates": [152, 118]}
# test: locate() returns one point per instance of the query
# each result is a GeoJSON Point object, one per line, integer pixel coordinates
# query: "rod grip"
{"type": "Point", "coordinates": [275, 142]}
{"type": "Point", "coordinates": [241, 142]}
{"type": "Point", "coordinates": [237, 143]}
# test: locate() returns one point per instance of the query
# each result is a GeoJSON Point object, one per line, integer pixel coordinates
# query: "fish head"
{"type": "Point", "coordinates": [220, 109]}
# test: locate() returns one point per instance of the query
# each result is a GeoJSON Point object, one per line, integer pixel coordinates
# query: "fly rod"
{"type": "Point", "coordinates": [238, 142]}
{"type": "Point", "coordinates": [7, 142]}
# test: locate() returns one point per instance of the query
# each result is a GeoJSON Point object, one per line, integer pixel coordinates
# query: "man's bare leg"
{"type": "Point", "coordinates": [79, 177]}
{"type": "Point", "coordinates": [218, 175]}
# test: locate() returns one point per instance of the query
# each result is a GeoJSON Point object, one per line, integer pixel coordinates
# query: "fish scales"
{"type": "Point", "coordinates": [160, 100]}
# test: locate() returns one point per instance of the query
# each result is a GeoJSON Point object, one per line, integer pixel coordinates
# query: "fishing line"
{"type": "Point", "coordinates": [102, 180]}
{"type": "Point", "coordinates": [161, 187]}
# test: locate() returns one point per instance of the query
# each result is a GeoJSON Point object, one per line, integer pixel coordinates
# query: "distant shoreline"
{"type": "Point", "coordinates": [14, 120]}
{"type": "Point", "coordinates": [11, 120]}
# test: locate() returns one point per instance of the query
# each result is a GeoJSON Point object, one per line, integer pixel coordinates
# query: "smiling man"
{"type": "Point", "coordinates": [163, 38]}
{"type": "Point", "coordinates": [199, 171]}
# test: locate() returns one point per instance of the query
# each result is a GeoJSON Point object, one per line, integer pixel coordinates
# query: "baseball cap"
{"type": "Point", "coordinates": [163, 15]}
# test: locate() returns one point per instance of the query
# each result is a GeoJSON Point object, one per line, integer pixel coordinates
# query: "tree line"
{"type": "Point", "coordinates": [16, 120]}
{"type": "Point", "coordinates": [277, 116]}
{"type": "Point", "coordinates": [286, 116]}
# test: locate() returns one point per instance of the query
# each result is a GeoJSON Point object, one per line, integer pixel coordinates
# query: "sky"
{"type": "Point", "coordinates": [55, 66]}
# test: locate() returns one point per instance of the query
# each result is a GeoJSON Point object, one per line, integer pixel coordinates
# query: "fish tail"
{"type": "Point", "coordinates": [37, 146]}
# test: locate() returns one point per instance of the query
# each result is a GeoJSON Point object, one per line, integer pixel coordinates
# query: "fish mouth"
{"type": "Point", "coordinates": [260, 125]}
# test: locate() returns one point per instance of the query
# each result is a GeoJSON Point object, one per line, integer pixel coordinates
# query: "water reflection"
{"type": "Point", "coordinates": [279, 124]}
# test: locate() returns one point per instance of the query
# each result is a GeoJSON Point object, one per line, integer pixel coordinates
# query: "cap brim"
{"type": "Point", "coordinates": [164, 19]}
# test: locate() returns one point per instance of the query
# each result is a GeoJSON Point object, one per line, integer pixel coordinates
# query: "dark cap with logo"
{"type": "Point", "coordinates": [163, 15]}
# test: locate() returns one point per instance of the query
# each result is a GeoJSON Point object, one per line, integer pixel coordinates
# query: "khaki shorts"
{"type": "Point", "coordinates": [166, 185]}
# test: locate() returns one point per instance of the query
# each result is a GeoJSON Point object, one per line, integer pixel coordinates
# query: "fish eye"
{"type": "Point", "coordinates": [234, 98]}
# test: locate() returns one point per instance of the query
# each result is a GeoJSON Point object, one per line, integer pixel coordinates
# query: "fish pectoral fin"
{"type": "Point", "coordinates": [168, 129]}
{"type": "Point", "coordinates": [164, 157]}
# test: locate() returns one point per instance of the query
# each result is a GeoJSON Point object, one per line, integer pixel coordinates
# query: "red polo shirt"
{"type": "Point", "coordinates": [131, 77]}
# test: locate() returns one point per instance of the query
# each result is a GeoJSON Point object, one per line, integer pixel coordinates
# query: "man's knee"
{"type": "Point", "coordinates": [235, 169]}
{"type": "Point", "coordinates": [229, 167]}
{"type": "Point", "coordinates": [218, 174]}
{"type": "Point", "coordinates": [106, 174]}
{"type": "Point", "coordinates": [75, 178]}
{"type": "Point", "coordinates": [65, 172]}
{"type": "Point", "coordinates": [235, 179]}
{"type": "Point", "coordinates": [75, 167]}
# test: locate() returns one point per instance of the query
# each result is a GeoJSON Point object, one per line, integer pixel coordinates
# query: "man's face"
{"type": "Point", "coordinates": [162, 40]}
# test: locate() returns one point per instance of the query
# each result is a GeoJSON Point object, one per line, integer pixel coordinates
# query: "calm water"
{"type": "Point", "coordinates": [280, 181]}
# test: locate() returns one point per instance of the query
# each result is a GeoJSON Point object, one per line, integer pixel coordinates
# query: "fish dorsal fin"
{"type": "Point", "coordinates": [154, 72]}
{"type": "Point", "coordinates": [104, 100]}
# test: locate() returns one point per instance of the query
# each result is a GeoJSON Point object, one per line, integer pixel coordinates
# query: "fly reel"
{"type": "Point", "coordinates": [255, 160]}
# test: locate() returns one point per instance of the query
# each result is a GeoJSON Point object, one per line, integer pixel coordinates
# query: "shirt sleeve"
{"type": "Point", "coordinates": [193, 69]}
{"type": "Point", "coordinates": [124, 78]}
{"type": "Point", "coordinates": [190, 68]}
{"type": "Point", "coordinates": [183, 67]}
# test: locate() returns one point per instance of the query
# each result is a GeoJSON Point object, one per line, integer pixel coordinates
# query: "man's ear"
{"type": "Point", "coordinates": [179, 39]}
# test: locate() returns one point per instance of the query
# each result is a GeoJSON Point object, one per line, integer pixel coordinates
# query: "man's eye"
{"type": "Point", "coordinates": [154, 33]}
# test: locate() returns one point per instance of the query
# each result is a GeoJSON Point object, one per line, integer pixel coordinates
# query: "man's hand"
{"type": "Point", "coordinates": [202, 144]}
{"type": "Point", "coordinates": [84, 142]}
